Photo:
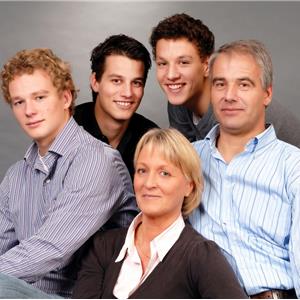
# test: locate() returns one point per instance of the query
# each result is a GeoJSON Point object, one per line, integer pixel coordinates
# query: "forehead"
{"type": "Point", "coordinates": [235, 65]}
{"type": "Point", "coordinates": [30, 83]}
{"type": "Point", "coordinates": [176, 47]}
{"type": "Point", "coordinates": [119, 62]}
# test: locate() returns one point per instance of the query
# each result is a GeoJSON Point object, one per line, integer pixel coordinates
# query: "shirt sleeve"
{"type": "Point", "coordinates": [7, 233]}
{"type": "Point", "coordinates": [212, 274]}
{"type": "Point", "coordinates": [294, 243]}
{"type": "Point", "coordinates": [93, 191]}
{"type": "Point", "coordinates": [89, 283]}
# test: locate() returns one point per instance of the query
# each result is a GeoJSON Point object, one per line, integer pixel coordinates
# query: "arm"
{"type": "Point", "coordinates": [90, 279]}
{"type": "Point", "coordinates": [93, 191]}
{"type": "Point", "coordinates": [7, 233]}
{"type": "Point", "coordinates": [212, 274]}
{"type": "Point", "coordinates": [294, 243]}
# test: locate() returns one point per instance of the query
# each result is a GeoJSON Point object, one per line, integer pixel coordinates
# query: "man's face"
{"type": "Point", "coordinates": [120, 89]}
{"type": "Point", "coordinates": [237, 95]}
{"type": "Point", "coordinates": [180, 71]}
{"type": "Point", "coordinates": [38, 107]}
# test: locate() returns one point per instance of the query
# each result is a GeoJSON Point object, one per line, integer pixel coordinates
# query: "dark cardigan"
{"type": "Point", "coordinates": [193, 268]}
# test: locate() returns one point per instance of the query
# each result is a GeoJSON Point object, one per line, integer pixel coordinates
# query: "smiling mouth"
{"type": "Point", "coordinates": [124, 104]}
{"type": "Point", "coordinates": [34, 123]}
{"type": "Point", "coordinates": [175, 87]}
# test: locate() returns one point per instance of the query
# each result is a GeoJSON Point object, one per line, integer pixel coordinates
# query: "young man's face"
{"type": "Point", "coordinates": [38, 107]}
{"type": "Point", "coordinates": [120, 89]}
{"type": "Point", "coordinates": [237, 94]}
{"type": "Point", "coordinates": [180, 71]}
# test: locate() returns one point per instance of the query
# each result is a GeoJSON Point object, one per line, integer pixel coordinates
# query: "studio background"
{"type": "Point", "coordinates": [73, 29]}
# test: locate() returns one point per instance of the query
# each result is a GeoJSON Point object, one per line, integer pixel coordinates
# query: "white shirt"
{"type": "Point", "coordinates": [131, 274]}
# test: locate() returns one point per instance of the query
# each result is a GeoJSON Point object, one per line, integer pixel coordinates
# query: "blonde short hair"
{"type": "Point", "coordinates": [179, 151]}
{"type": "Point", "coordinates": [28, 60]}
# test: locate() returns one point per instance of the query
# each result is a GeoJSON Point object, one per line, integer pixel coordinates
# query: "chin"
{"type": "Point", "coordinates": [177, 101]}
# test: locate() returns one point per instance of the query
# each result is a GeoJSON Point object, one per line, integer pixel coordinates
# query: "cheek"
{"type": "Point", "coordinates": [159, 74]}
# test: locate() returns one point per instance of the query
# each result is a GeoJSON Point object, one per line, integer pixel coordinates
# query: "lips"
{"type": "Point", "coordinates": [33, 124]}
{"type": "Point", "coordinates": [174, 87]}
{"type": "Point", "coordinates": [124, 104]}
{"type": "Point", "coordinates": [150, 196]}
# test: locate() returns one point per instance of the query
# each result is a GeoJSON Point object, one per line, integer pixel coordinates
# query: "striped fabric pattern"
{"type": "Point", "coordinates": [46, 216]}
{"type": "Point", "coordinates": [251, 209]}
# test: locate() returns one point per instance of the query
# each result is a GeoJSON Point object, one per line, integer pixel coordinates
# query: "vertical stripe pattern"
{"type": "Point", "coordinates": [251, 209]}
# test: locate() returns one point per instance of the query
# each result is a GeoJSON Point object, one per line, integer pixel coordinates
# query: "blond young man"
{"type": "Point", "coordinates": [67, 187]}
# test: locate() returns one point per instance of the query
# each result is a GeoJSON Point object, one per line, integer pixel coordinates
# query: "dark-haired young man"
{"type": "Point", "coordinates": [120, 67]}
{"type": "Point", "coordinates": [181, 47]}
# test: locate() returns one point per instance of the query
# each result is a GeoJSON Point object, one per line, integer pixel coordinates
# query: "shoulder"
{"type": "Point", "coordinates": [109, 241]}
{"type": "Point", "coordinates": [285, 122]}
{"type": "Point", "coordinates": [142, 122]}
{"type": "Point", "coordinates": [82, 109]}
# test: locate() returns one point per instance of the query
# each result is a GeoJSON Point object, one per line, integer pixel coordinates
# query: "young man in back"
{"type": "Point", "coordinates": [120, 67]}
{"type": "Point", "coordinates": [181, 47]}
{"type": "Point", "coordinates": [67, 187]}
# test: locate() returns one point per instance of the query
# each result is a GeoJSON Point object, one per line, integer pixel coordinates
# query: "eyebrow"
{"type": "Point", "coordinates": [32, 94]}
{"type": "Point", "coordinates": [120, 76]}
{"type": "Point", "coordinates": [246, 79]}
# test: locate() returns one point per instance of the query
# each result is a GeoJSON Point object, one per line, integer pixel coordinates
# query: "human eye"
{"type": "Point", "coordinates": [17, 102]}
{"type": "Point", "coordinates": [184, 62]}
{"type": "Point", "coordinates": [140, 171]}
{"type": "Point", "coordinates": [40, 97]}
{"type": "Point", "coordinates": [161, 63]}
{"type": "Point", "coordinates": [218, 84]}
{"type": "Point", "coordinates": [138, 83]}
{"type": "Point", "coordinates": [165, 173]}
{"type": "Point", "coordinates": [244, 85]}
{"type": "Point", "coordinates": [116, 81]}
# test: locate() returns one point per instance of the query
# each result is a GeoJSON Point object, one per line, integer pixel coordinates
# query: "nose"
{"type": "Point", "coordinates": [29, 109]}
{"type": "Point", "coordinates": [172, 72]}
{"type": "Point", "coordinates": [150, 180]}
{"type": "Point", "coordinates": [231, 93]}
{"type": "Point", "coordinates": [126, 90]}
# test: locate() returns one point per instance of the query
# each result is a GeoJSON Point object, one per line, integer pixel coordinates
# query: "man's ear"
{"type": "Point", "coordinates": [94, 83]}
{"type": "Point", "coordinates": [67, 98]}
{"type": "Point", "coordinates": [268, 96]}
{"type": "Point", "coordinates": [205, 63]}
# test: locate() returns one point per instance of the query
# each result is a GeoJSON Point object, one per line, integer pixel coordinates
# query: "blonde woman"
{"type": "Point", "coordinates": [159, 255]}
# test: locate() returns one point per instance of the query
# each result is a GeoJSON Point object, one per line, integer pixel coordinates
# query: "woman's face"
{"type": "Point", "coordinates": [159, 185]}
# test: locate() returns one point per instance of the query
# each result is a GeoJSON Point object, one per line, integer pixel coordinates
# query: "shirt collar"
{"type": "Point", "coordinates": [258, 142]}
{"type": "Point", "coordinates": [161, 244]}
{"type": "Point", "coordinates": [59, 147]}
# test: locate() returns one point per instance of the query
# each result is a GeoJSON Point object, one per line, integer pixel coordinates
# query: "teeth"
{"type": "Point", "coordinates": [174, 86]}
{"type": "Point", "coordinates": [124, 104]}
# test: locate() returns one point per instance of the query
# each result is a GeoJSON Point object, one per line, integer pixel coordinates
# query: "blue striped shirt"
{"type": "Point", "coordinates": [251, 209]}
{"type": "Point", "coordinates": [45, 216]}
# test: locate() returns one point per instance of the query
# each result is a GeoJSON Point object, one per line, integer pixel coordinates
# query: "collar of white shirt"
{"type": "Point", "coordinates": [161, 244]}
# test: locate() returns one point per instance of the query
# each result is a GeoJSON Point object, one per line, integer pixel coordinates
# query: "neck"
{"type": "Point", "coordinates": [152, 227]}
{"type": "Point", "coordinates": [111, 128]}
{"type": "Point", "coordinates": [230, 145]}
{"type": "Point", "coordinates": [200, 103]}
{"type": "Point", "coordinates": [44, 145]}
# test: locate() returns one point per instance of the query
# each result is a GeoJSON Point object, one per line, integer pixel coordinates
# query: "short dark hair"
{"type": "Point", "coordinates": [184, 26]}
{"type": "Point", "coordinates": [120, 44]}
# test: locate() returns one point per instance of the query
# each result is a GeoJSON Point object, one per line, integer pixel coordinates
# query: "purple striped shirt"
{"type": "Point", "coordinates": [46, 216]}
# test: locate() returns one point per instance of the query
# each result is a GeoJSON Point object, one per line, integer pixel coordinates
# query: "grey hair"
{"type": "Point", "coordinates": [254, 48]}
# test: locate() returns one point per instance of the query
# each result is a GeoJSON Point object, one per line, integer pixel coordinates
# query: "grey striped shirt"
{"type": "Point", "coordinates": [46, 216]}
